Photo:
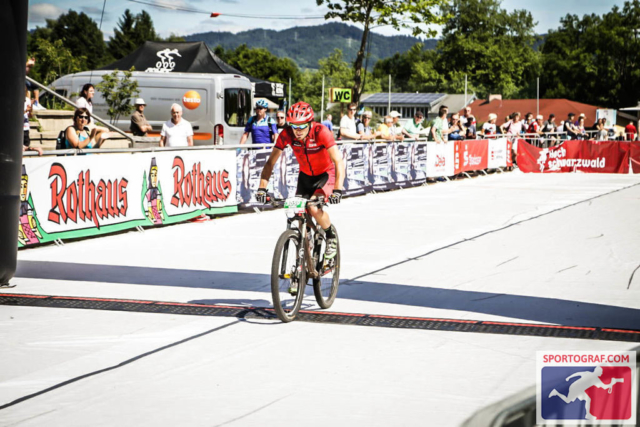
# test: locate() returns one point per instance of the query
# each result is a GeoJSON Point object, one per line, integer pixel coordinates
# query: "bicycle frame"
{"type": "Point", "coordinates": [305, 224]}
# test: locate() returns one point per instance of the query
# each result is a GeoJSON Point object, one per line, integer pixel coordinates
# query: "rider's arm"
{"type": "Point", "coordinates": [244, 137]}
{"type": "Point", "coordinates": [336, 158]}
{"type": "Point", "coordinates": [268, 167]}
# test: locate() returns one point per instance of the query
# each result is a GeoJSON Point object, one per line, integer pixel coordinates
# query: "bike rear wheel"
{"type": "Point", "coordinates": [288, 276]}
{"type": "Point", "coordinates": [325, 287]}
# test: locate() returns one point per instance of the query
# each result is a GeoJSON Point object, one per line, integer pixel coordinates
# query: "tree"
{"type": "Point", "coordinates": [117, 92]}
{"type": "Point", "coordinates": [414, 14]}
{"type": "Point", "coordinates": [260, 63]}
{"type": "Point", "coordinates": [80, 34]}
{"type": "Point", "coordinates": [55, 60]}
{"type": "Point", "coordinates": [493, 47]}
{"type": "Point", "coordinates": [595, 59]}
{"type": "Point", "coordinates": [132, 31]}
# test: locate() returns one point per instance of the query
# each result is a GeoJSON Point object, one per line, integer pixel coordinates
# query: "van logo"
{"type": "Point", "coordinates": [166, 63]}
{"type": "Point", "coordinates": [191, 100]}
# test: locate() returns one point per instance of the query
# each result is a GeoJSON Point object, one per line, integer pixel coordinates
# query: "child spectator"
{"type": "Point", "coordinates": [489, 127]}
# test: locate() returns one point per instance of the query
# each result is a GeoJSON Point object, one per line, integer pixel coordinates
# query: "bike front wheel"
{"type": "Point", "coordinates": [325, 287]}
{"type": "Point", "coordinates": [288, 276]}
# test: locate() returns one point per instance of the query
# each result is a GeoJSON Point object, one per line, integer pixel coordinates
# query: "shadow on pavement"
{"type": "Point", "coordinates": [528, 308]}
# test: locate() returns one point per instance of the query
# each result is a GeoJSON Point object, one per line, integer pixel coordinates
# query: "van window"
{"type": "Point", "coordinates": [237, 106]}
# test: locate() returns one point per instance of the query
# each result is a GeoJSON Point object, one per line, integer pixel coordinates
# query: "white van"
{"type": "Point", "coordinates": [217, 105]}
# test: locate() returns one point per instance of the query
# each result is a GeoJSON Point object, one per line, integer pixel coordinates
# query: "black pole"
{"type": "Point", "coordinates": [13, 32]}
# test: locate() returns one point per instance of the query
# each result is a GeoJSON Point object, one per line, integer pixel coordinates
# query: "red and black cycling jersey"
{"type": "Point", "coordinates": [312, 153]}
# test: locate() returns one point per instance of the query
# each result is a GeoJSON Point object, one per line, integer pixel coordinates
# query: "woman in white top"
{"type": "Point", "coordinates": [176, 132]}
{"type": "Point", "coordinates": [489, 127]}
{"type": "Point", "coordinates": [85, 100]}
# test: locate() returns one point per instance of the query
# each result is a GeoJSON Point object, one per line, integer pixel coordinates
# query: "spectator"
{"type": "Point", "coordinates": [569, 128]}
{"type": "Point", "coordinates": [281, 121]}
{"type": "Point", "coordinates": [470, 132]}
{"type": "Point", "coordinates": [364, 128]}
{"type": "Point", "coordinates": [139, 124]}
{"type": "Point", "coordinates": [413, 128]}
{"type": "Point", "coordinates": [85, 100]}
{"type": "Point", "coordinates": [440, 126]}
{"type": "Point", "coordinates": [467, 120]}
{"type": "Point", "coordinates": [31, 88]}
{"type": "Point", "coordinates": [396, 129]}
{"type": "Point", "coordinates": [535, 130]}
{"type": "Point", "coordinates": [528, 119]}
{"type": "Point", "coordinates": [514, 126]}
{"type": "Point", "coordinates": [581, 115]}
{"type": "Point", "coordinates": [630, 132]}
{"type": "Point", "coordinates": [27, 126]}
{"type": "Point", "coordinates": [456, 130]}
{"type": "Point", "coordinates": [328, 122]}
{"type": "Point", "coordinates": [549, 124]}
{"type": "Point", "coordinates": [79, 135]}
{"type": "Point", "coordinates": [582, 131]}
{"type": "Point", "coordinates": [560, 128]}
{"type": "Point", "coordinates": [177, 132]}
{"type": "Point", "coordinates": [384, 129]}
{"type": "Point", "coordinates": [489, 127]}
{"type": "Point", "coordinates": [601, 128]}
{"type": "Point", "coordinates": [262, 128]}
{"type": "Point", "coordinates": [348, 124]}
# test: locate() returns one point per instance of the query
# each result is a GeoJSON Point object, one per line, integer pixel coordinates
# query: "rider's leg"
{"type": "Point", "coordinates": [321, 217]}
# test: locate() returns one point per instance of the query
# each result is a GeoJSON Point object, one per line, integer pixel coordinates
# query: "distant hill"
{"type": "Point", "coordinates": [306, 45]}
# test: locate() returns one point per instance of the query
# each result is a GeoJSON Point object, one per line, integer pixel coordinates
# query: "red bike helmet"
{"type": "Point", "coordinates": [299, 113]}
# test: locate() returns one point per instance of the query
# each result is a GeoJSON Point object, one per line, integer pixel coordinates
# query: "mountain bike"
{"type": "Point", "coordinates": [298, 257]}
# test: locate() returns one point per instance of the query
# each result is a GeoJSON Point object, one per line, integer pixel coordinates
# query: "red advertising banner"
{"type": "Point", "coordinates": [635, 156]}
{"type": "Point", "coordinates": [471, 155]}
{"type": "Point", "coordinates": [571, 156]}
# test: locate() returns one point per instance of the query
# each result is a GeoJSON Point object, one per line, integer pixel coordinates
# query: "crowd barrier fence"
{"type": "Point", "coordinates": [74, 196]}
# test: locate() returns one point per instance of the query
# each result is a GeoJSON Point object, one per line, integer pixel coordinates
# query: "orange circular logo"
{"type": "Point", "coordinates": [191, 100]}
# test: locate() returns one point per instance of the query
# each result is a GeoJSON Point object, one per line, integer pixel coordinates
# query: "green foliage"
{"type": "Point", "coordinates": [416, 15]}
{"type": "Point", "coordinates": [493, 47]}
{"type": "Point", "coordinates": [260, 63]}
{"type": "Point", "coordinates": [117, 92]}
{"type": "Point", "coordinates": [55, 60]}
{"type": "Point", "coordinates": [79, 34]}
{"type": "Point", "coordinates": [595, 59]}
{"type": "Point", "coordinates": [132, 31]}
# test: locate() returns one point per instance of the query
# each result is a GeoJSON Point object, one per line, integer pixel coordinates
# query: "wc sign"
{"type": "Point", "coordinates": [581, 386]}
{"type": "Point", "coordinates": [340, 95]}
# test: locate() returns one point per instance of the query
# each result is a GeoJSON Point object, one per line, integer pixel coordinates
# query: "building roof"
{"type": "Point", "coordinates": [481, 109]}
{"type": "Point", "coordinates": [455, 102]}
{"type": "Point", "coordinates": [403, 98]}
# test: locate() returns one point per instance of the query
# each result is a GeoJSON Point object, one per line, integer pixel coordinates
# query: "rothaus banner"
{"type": "Point", "coordinates": [80, 196]}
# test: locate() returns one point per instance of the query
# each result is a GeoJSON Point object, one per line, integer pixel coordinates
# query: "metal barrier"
{"type": "Point", "coordinates": [520, 409]}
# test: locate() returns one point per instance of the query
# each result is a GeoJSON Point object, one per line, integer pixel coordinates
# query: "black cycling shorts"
{"type": "Point", "coordinates": [308, 185]}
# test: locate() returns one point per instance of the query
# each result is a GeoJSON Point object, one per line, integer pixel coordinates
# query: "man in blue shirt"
{"type": "Point", "coordinates": [262, 128]}
{"type": "Point", "coordinates": [327, 123]}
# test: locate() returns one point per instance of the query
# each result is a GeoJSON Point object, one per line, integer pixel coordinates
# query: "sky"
{"type": "Point", "coordinates": [262, 12]}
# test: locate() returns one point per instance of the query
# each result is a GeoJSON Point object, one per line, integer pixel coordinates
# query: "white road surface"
{"type": "Point", "coordinates": [550, 249]}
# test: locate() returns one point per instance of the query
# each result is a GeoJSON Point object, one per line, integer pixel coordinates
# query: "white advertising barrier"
{"type": "Point", "coordinates": [498, 153]}
{"type": "Point", "coordinates": [440, 159]}
{"type": "Point", "coordinates": [69, 197]}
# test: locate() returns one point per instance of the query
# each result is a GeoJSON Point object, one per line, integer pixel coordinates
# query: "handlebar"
{"type": "Point", "coordinates": [320, 201]}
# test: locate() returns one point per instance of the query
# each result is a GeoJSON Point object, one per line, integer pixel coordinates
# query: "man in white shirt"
{"type": "Point", "coordinates": [348, 124]}
{"type": "Point", "coordinates": [176, 132]}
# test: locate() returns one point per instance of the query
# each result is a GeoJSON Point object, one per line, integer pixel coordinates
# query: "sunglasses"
{"type": "Point", "coordinates": [83, 117]}
{"type": "Point", "coordinates": [352, 109]}
{"type": "Point", "coordinates": [280, 118]}
{"type": "Point", "coordinates": [299, 127]}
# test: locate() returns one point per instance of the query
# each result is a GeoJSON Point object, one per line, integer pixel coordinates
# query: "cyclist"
{"type": "Point", "coordinates": [321, 166]}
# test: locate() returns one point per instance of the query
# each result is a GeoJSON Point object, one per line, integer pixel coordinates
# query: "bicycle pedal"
{"type": "Point", "coordinates": [293, 291]}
